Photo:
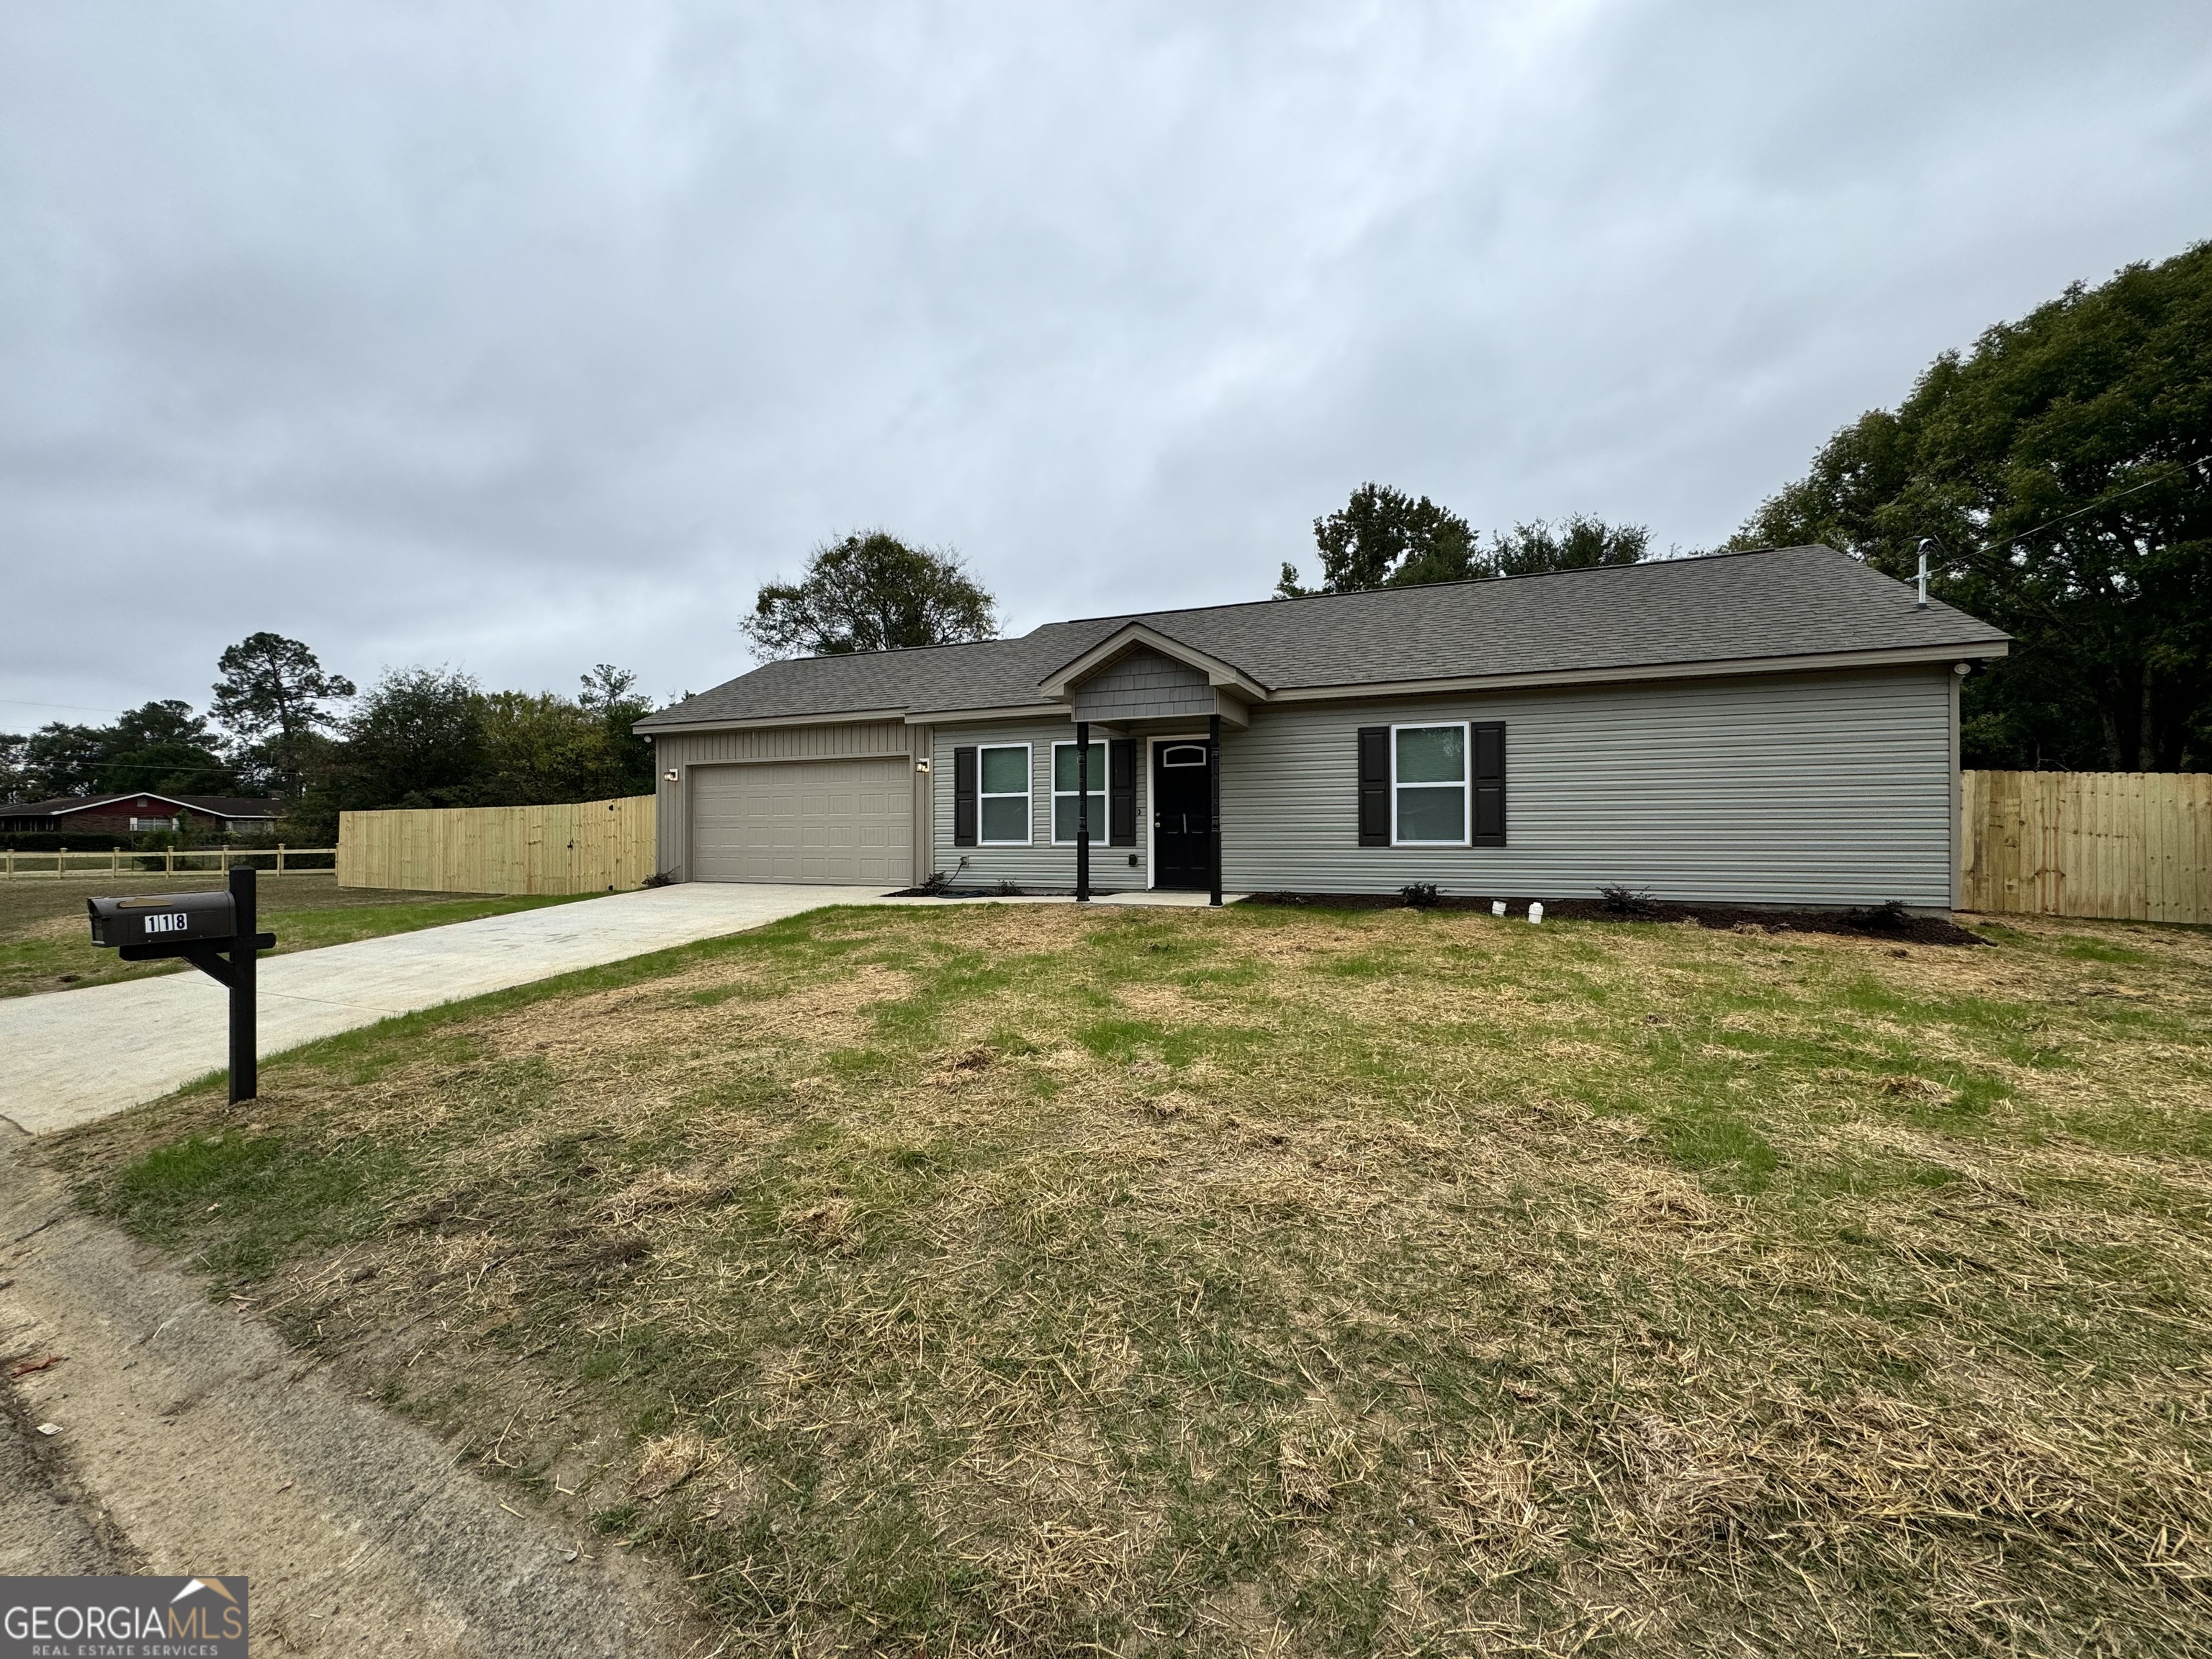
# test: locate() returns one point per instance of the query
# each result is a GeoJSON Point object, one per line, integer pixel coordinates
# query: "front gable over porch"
{"type": "Point", "coordinates": [1138, 674]}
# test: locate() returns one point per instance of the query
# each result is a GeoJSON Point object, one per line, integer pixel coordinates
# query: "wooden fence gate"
{"type": "Point", "coordinates": [592, 846]}
{"type": "Point", "coordinates": [2131, 846]}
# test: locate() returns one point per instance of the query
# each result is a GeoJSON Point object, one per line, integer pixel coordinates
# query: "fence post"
{"type": "Point", "coordinates": [280, 858]}
{"type": "Point", "coordinates": [61, 862]}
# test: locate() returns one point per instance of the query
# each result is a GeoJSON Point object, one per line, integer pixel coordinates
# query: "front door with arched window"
{"type": "Point", "coordinates": [1182, 816]}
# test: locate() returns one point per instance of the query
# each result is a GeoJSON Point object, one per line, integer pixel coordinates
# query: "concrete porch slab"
{"type": "Point", "coordinates": [1166, 900]}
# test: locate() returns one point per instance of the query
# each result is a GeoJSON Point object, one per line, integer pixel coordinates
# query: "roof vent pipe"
{"type": "Point", "coordinates": [1921, 604]}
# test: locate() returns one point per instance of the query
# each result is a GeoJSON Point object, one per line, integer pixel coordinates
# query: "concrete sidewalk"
{"type": "Point", "coordinates": [68, 1056]}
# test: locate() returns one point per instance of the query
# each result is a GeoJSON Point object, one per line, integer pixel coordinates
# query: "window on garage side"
{"type": "Point", "coordinates": [1065, 791]}
{"type": "Point", "coordinates": [1429, 785]}
{"type": "Point", "coordinates": [1002, 794]}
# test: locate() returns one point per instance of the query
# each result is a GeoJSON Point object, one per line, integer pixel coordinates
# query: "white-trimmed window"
{"type": "Point", "coordinates": [1065, 791]}
{"type": "Point", "coordinates": [1429, 785]}
{"type": "Point", "coordinates": [140, 826]}
{"type": "Point", "coordinates": [1002, 794]}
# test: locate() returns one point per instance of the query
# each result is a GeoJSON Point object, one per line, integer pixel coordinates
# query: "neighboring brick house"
{"type": "Point", "coordinates": [136, 814]}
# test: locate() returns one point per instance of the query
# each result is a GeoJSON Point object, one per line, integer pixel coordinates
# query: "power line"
{"type": "Point", "coordinates": [2101, 502]}
{"type": "Point", "coordinates": [81, 708]}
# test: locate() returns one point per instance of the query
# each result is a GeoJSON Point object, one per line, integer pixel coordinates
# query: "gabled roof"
{"type": "Point", "coordinates": [1733, 612]}
{"type": "Point", "coordinates": [1140, 636]}
{"type": "Point", "coordinates": [215, 806]}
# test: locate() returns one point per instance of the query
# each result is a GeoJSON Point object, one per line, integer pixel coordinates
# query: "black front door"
{"type": "Point", "coordinates": [1182, 817]}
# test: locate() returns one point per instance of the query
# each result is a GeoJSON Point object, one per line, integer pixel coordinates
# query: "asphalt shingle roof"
{"type": "Point", "coordinates": [1777, 603]}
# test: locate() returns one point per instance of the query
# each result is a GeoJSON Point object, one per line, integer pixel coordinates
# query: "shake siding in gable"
{"type": "Point", "coordinates": [827, 740]}
{"type": "Point", "coordinates": [1833, 789]}
{"type": "Point", "coordinates": [1040, 867]}
{"type": "Point", "coordinates": [1144, 685]}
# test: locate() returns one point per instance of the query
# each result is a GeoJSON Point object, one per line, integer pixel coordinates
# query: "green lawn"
{"type": "Point", "coordinates": [45, 941]}
{"type": "Point", "coordinates": [1023, 1280]}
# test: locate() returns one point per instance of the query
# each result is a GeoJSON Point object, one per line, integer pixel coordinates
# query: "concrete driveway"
{"type": "Point", "coordinates": [68, 1056]}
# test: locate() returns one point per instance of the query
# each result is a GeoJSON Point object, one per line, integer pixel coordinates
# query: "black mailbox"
{"type": "Point", "coordinates": [216, 933]}
{"type": "Point", "coordinates": [169, 919]}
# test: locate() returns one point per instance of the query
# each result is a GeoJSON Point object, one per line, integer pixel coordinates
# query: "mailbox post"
{"type": "Point", "coordinates": [216, 933]}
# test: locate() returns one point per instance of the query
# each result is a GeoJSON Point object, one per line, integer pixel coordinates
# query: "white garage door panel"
{"type": "Point", "coordinates": [839, 822]}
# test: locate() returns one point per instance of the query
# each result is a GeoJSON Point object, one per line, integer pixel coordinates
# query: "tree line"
{"type": "Point", "coordinates": [279, 725]}
{"type": "Point", "coordinates": [2058, 473]}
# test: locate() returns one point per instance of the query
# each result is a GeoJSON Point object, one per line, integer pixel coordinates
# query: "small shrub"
{"type": "Point", "coordinates": [1420, 895]}
{"type": "Point", "coordinates": [1622, 900]}
{"type": "Point", "coordinates": [658, 879]}
{"type": "Point", "coordinates": [1890, 918]}
{"type": "Point", "coordinates": [936, 884]}
{"type": "Point", "coordinates": [1007, 889]}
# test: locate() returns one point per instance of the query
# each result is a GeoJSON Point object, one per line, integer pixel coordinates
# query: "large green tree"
{"type": "Point", "coordinates": [542, 748]}
{"type": "Point", "coordinates": [872, 591]}
{"type": "Point", "coordinates": [272, 696]}
{"type": "Point", "coordinates": [1383, 538]}
{"type": "Point", "coordinates": [416, 739]}
{"type": "Point", "coordinates": [2061, 471]}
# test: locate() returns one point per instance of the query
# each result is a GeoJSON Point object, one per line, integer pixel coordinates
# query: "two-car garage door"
{"type": "Point", "coordinates": [848, 822]}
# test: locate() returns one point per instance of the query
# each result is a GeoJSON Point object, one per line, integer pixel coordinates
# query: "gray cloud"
{"type": "Point", "coordinates": [522, 338]}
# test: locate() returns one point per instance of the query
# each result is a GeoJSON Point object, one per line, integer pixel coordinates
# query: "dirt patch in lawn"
{"type": "Point", "coordinates": [1275, 1279]}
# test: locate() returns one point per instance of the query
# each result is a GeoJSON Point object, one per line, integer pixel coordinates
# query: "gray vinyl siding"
{"type": "Point", "coordinates": [1824, 790]}
{"type": "Point", "coordinates": [1144, 685]}
{"type": "Point", "coordinates": [1041, 867]}
{"type": "Point", "coordinates": [810, 741]}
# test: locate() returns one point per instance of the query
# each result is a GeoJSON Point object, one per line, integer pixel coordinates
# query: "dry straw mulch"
{"type": "Point", "coordinates": [1018, 1279]}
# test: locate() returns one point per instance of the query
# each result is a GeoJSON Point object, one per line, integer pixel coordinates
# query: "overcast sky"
{"type": "Point", "coordinates": [521, 337]}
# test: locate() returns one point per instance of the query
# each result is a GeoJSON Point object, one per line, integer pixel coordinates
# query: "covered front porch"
{"type": "Point", "coordinates": [1162, 706]}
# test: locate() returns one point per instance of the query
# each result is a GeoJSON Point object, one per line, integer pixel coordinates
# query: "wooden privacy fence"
{"type": "Point", "coordinates": [592, 846]}
{"type": "Point", "coordinates": [2133, 846]}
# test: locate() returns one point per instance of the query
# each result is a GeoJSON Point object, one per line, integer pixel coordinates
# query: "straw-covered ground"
{"type": "Point", "coordinates": [1024, 1279]}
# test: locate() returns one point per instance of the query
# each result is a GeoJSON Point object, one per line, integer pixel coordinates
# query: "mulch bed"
{"type": "Point", "coordinates": [1881, 922]}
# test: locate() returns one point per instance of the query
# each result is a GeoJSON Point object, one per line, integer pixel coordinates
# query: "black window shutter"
{"type": "Point", "coordinates": [1489, 784]}
{"type": "Point", "coordinates": [1121, 797]}
{"type": "Point", "coordinates": [963, 797]}
{"type": "Point", "coordinates": [1374, 785]}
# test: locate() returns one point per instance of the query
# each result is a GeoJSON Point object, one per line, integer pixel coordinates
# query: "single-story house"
{"type": "Point", "coordinates": [136, 813]}
{"type": "Point", "coordinates": [1773, 727]}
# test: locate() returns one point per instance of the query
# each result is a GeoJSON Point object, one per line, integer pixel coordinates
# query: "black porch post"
{"type": "Point", "coordinates": [1083, 811]}
{"type": "Point", "coordinates": [1213, 773]}
{"type": "Point", "coordinates": [245, 1080]}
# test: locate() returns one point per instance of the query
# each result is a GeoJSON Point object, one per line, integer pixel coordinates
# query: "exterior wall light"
{"type": "Point", "coordinates": [672, 774]}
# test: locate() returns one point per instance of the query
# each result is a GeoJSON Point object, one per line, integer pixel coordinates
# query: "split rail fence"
{"type": "Point", "coordinates": [2129, 846]}
{"type": "Point", "coordinates": [591, 847]}
{"type": "Point", "coordinates": [167, 861]}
